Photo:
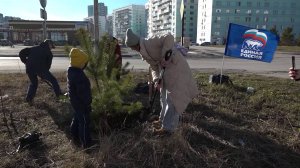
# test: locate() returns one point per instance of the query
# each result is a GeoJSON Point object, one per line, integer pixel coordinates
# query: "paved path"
{"type": "Point", "coordinates": [206, 59]}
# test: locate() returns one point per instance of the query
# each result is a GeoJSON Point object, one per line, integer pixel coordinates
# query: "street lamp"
{"type": "Point", "coordinates": [43, 14]}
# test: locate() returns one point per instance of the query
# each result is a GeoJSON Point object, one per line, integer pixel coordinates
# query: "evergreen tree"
{"type": "Point", "coordinates": [109, 94]}
{"type": "Point", "coordinates": [287, 37]}
{"type": "Point", "coordinates": [274, 30]}
{"type": "Point", "coordinates": [298, 40]}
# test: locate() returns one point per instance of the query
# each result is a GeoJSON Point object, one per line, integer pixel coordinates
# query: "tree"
{"type": "Point", "coordinates": [298, 40]}
{"type": "Point", "coordinates": [287, 37]}
{"type": "Point", "coordinates": [274, 30]}
{"type": "Point", "coordinates": [109, 94]}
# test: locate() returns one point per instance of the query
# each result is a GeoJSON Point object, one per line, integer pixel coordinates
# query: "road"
{"type": "Point", "coordinates": [205, 59]}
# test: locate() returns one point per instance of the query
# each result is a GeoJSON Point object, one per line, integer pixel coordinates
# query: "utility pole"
{"type": "Point", "coordinates": [43, 14]}
{"type": "Point", "coordinates": [96, 21]}
{"type": "Point", "coordinates": [182, 20]}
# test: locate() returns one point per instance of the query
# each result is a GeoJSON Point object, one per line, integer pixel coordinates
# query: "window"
{"type": "Point", "coordinates": [217, 33]}
{"type": "Point", "coordinates": [238, 3]}
{"type": "Point", "coordinates": [227, 11]}
{"type": "Point", "coordinates": [237, 11]}
{"type": "Point", "coordinates": [264, 26]}
{"type": "Point", "coordinates": [267, 4]}
{"type": "Point", "coordinates": [257, 11]}
{"type": "Point", "coordinates": [248, 12]}
{"type": "Point", "coordinates": [258, 4]}
{"type": "Point", "coordinates": [292, 20]}
{"type": "Point", "coordinates": [218, 18]}
{"type": "Point", "coordinates": [266, 19]}
{"type": "Point", "coordinates": [192, 7]}
{"type": "Point", "coordinates": [218, 10]}
{"type": "Point", "coordinates": [248, 19]}
{"type": "Point", "coordinates": [249, 4]}
{"type": "Point", "coordinates": [191, 12]}
{"type": "Point", "coordinates": [266, 12]}
{"type": "Point", "coordinates": [218, 3]}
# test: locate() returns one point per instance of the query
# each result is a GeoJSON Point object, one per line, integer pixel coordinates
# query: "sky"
{"type": "Point", "coordinates": [65, 10]}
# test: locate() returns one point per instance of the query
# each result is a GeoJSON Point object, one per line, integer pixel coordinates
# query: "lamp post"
{"type": "Point", "coordinates": [96, 26]}
{"type": "Point", "coordinates": [44, 16]}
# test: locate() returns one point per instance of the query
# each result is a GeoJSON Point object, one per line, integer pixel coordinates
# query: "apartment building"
{"type": "Point", "coordinates": [214, 17]}
{"type": "Point", "coordinates": [132, 16]}
{"type": "Point", "coordinates": [102, 10]}
{"type": "Point", "coordinates": [164, 17]}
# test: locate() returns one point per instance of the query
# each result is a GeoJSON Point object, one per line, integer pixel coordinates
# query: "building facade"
{"type": "Point", "coordinates": [214, 17]}
{"type": "Point", "coordinates": [61, 32]}
{"type": "Point", "coordinates": [102, 10]}
{"type": "Point", "coordinates": [132, 16]}
{"type": "Point", "coordinates": [164, 17]}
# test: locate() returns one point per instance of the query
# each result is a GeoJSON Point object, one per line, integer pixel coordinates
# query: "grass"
{"type": "Point", "coordinates": [289, 49]}
{"type": "Point", "coordinates": [223, 127]}
{"type": "Point", "coordinates": [294, 49]}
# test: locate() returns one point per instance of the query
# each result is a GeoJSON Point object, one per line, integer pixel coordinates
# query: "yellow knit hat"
{"type": "Point", "coordinates": [78, 58]}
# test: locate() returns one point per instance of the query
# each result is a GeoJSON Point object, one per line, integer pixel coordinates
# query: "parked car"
{"type": "Point", "coordinates": [28, 42]}
{"type": "Point", "coordinates": [205, 44]}
{"type": "Point", "coordinates": [4, 42]}
{"type": "Point", "coordinates": [194, 44]}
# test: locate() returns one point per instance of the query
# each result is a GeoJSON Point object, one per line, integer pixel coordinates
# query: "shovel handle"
{"type": "Point", "coordinates": [293, 62]}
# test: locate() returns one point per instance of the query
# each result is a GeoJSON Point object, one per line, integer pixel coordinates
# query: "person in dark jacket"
{"type": "Point", "coordinates": [38, 63]}
{"type": "Point", "coordinates": [79, 89]}
{"type": "Point", "coordinates": [118, 59]}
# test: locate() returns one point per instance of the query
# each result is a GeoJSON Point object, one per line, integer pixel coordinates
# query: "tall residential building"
{"type": "Point", "coordinates": [1, 18]}
{"type": "Point", "coordinates": [214, 17]}
{"type": "Point", "coordinates": [164, 17]}
{"type": "Point", "coordinates": [109, 25]}
{"type": "Point", "coordinates": [132, 16]}
{"type": "Point", "coordinates": [102, 24]}
{"type": "Point", "coordinates": [102, 10]}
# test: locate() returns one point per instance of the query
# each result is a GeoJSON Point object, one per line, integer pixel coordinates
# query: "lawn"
{"type": "Point", "coordinates": [223, 127]}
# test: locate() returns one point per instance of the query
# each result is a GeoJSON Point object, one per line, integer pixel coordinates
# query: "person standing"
{"type": "Point", "coordinates": [79, 91]}
{"type": "Point", "coordinates": [38, 63]}
{"type": "Point", "coordinates": [177, 87]}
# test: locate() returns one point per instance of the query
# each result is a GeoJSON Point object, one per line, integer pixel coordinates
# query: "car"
{"type": "Point", "coordinates": [4, 42]}
{"type": "Point", "coordinates": [205, 44]}
{"type": "Point", "coordinates": [28, 42]}
{"type": "Point", "coordinates": [194, 44]}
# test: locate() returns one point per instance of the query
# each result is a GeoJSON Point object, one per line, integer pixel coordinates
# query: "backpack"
{"type": "Point", "coordinates": [23, 54]}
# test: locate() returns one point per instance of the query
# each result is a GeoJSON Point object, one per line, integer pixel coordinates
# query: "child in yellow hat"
{"type": "Point", "coordinates": [79, 89]}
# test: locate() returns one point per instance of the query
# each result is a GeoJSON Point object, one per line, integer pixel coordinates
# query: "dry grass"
{"type": "Point", "coordinates": [224, 127]}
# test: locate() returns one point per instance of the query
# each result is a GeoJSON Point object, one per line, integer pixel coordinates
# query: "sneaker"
{"type": "Point", "coordinates": [156, 124]}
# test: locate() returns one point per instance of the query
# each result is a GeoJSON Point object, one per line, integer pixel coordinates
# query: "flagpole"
{"type": "Point", "coordinates": [222, 68]}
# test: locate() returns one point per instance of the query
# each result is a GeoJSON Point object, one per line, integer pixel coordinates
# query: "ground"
{"type": "Point", "coordinates": [225, 126]}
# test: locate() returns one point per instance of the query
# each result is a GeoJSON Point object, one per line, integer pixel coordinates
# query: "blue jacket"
{"type": "Point", "coordinates": [39, 59]}
{"type": "Point", "coordinates": [79, 89]}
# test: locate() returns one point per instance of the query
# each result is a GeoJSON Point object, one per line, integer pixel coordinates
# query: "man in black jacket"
{"type": "Point", "coordinates": [38, 63]}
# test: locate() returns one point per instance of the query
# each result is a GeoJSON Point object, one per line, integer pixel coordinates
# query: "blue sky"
{"type": "Point", "coordinates": [58, 9]}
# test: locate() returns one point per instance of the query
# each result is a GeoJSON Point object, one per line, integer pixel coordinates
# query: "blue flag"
{"type": "Point", "coordinates": [249, 43]}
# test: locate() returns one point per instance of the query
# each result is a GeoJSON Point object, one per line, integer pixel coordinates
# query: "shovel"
{"type": "Point", "coordinates": [167, 57]}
